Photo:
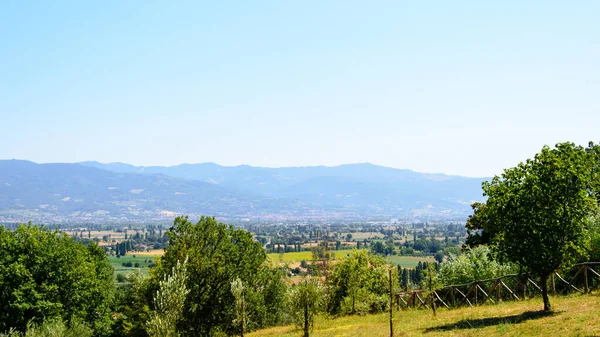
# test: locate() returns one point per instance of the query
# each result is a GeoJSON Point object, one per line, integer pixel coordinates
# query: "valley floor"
{"type": "Point", "coordinates": [577, 315]}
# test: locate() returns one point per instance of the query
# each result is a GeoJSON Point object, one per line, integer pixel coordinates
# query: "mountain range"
{"type": "Point", "coordinates": [92, 191]}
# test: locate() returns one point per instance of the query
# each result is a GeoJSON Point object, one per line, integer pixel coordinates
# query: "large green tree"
{"type": "Point", "coordinates": [217, 255]}
{"type": "Point", "coordinates": [45, 274]}
{"type": "Point", "coordinates": [536, 213]}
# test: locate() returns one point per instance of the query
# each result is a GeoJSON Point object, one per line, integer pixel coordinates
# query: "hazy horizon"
{"type": "Point", "coordinates": [239, 165]}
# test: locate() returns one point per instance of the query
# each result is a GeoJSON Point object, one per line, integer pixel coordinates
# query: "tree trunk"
{"type": "Point", "coordinates": [243, 315]}
{"type": "Point", "coordinates": [306, 326]}
{"type": "Point", "coordinates": [544, 285]}
{"type": "Point", "coordinates": [391, 306]}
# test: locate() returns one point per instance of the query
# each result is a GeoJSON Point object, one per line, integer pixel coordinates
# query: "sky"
{"type": "Point", "coordinates": [455, 87]}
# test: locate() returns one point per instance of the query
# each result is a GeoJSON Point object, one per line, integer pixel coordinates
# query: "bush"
{"type": "Point", "coordinates": [121, 278]}
{"type": "Point", "coordinates": [474, 264]}
{"type": "Point", "coordinates": [56, 327]}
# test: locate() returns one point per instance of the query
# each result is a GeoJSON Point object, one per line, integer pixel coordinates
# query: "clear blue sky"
{"type": "Point", "coordinates": [459, 87]}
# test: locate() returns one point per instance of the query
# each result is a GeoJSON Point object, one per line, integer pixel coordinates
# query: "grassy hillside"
{"type": "Point", "coordinates": [578, 315]}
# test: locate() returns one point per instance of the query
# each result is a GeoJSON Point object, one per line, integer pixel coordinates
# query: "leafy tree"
{"type": "Point", "coordinates": [359, 284]}
{"type": "Point", "coordinates": [132, 306]}
{"type": "Point", "coordinates": [475, 226]}
{"type": "Point", "coordinates": [431, 284]}
{"type": "Point", "coordinates": [218, 254]}
{"type": "Point", "coordinates": [405, 278]}
{"type": "Point", "coordinates": [306, 301]}
{"type": "Point", "coordinates": [46, 274]}
{"type": "Point", "coordinates": [169, 302]}
{"type": "Point", "coordinates": [594, 243]}
{"type": "Point", "coordinates": [439, 257]}
{"type": "Point", "coordinates": [536, 213]}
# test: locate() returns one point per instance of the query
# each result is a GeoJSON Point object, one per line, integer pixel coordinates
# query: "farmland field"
{"type": "Point", "coordinates": [403, 261]}
{"type": "Point", "coordinates": [307, 255]}
{"type": "Point", "coordinates": [408, 261]}
{"type": "Point", "coordinates": [117, 263]}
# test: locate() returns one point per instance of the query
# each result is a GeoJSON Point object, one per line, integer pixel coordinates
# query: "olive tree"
{"type": "Point", "coordinates": [169, 302]}
{"type": "Point", "coordinates": [306, 301]}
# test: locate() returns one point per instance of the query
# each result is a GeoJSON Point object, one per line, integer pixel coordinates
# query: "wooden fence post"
{"type": "Point", "coordinates": [585, 278]}
{"type": "Point", "coordinates": [498, 291]}
{"type": "Point", "coordinates": [391, 306]}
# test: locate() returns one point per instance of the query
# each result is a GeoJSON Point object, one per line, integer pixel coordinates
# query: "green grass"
{"type": "Point", "coordinates": [572, 316]}
{"type": "Point", "coordinates": [117, 264]}
{"type": "Point", "coordinates": [408, 261]}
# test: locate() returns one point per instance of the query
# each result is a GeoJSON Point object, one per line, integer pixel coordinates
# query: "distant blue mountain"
{"type": "Point", "coordinates": [91, 191]}
{"type": "Point", "coordinates": [59, 191]}
{"type": "Point", "coordinates": [363, 188]}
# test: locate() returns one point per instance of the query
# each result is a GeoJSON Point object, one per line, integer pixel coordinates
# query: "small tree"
{"type": "Point", "coordinates": [306, 302]}
{"type": "Point", "coordinates": [237, 289]}
{"type": "Point", "coordinates": [169, 302]}
{"type": "Point", "coordinates": [431, 284]}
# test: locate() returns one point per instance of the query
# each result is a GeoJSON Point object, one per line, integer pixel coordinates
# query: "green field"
{"type": "Point", "coordinates": [403, 261]}
{"type": "Point", "coordinates": [307, 255]}
{"type": "Point", "coordinates": [117, 264]}
{"type": "Point", "coordinates": [572, 316]}
{"type": "Point", "coordinates": [408, 261]}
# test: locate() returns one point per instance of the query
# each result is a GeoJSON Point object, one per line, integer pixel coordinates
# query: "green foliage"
{"type": "Point", "coordinates": [121, 278]}
{"type": "Point", "coordinates": [56, 327]}
{"type": "Point", "coordinates": [359, 284]}
{"type": "Point", "coordinates": [169, 302]}
{"type": "Point", "coordinates": [44, 273]}
{"type": "Point", "coordinates": [132, 306]}
{"type": "Point", "coordinates": [431, 284]}
{"type": "Point", "coordinates": [472, 265]}
{"type": "Point", "coordinates": [536, 213]}
{"type": "Point", "coordinates": [237, 289]}
{"type": "Point", "coordinates": [593, 248]}
{"type": "Point", "coordinates": [218, 254]}
{"type": "Point", "coordinates": [306, 301]}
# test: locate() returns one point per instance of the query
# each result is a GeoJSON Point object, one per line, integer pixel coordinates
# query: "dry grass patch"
{"type": "Point", "coordinates": [151, 252]}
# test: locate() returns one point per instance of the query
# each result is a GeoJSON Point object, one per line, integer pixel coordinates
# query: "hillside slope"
{"type": "Point", "coordinates": [573, 316]}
